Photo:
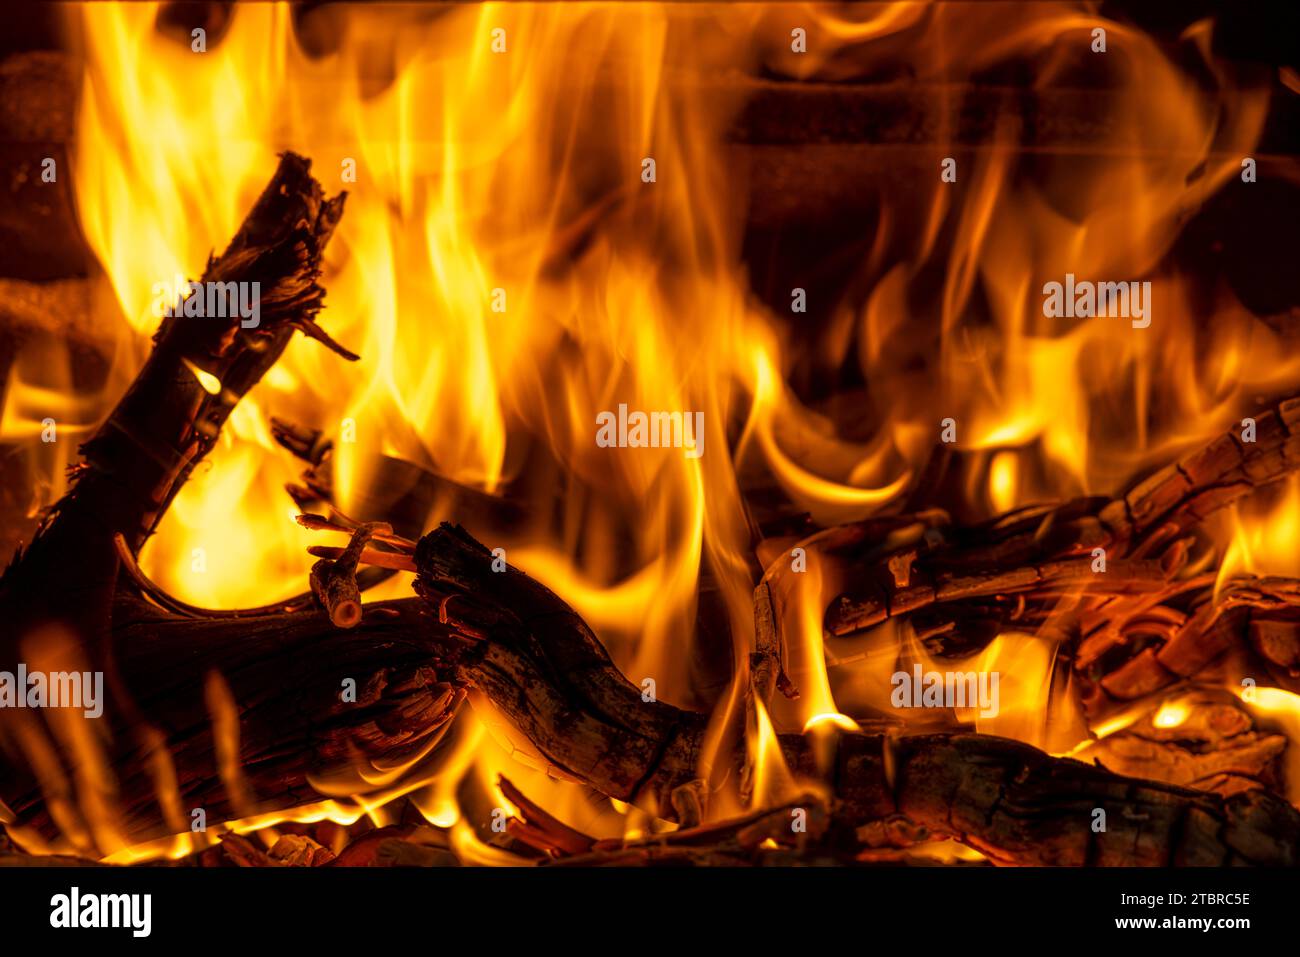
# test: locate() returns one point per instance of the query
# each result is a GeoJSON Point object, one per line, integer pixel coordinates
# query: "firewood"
{"type": "Point", "coordinates": [1249, 756]}
{"type": "Point", "coordinates": [1251, 614]}
{"type": "Point", "coordinates": [1212, 747]}
{"type": "Point", "coordinates": [1042, 552]}
{"type": "Point", "coordinates": [167, 421]}
{"type": "Point", "coordinates": [379, 531]}
{"type": "Point", "coordinates": [68, 578]}
{"type": "Point", "coordinates": [448, 558]}
{"type": "Point", "coordinates": [526, 656]}
{"type": "Point", "coordinates": [370, 556]}
{"type": "Point", "coordinates": [286, 672]}
{"type": "Point", "coordinates": [540, 829]}
{"type": "Point", "coordinates": [334, 580]}
{"type": "Point", "coordinates": [767, 662]}
{"type": "Point", "coordinates": [543, 671]}
{"type": "Point", "coordinates": [403, 845]}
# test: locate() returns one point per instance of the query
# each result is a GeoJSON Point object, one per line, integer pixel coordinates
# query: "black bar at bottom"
{"type": "Point", "coordinates": [642, 908]}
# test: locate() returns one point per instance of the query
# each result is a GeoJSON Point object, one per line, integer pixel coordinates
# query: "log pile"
{"type": "Point", "coordinates": [512, 649]}
{"type": "Point", "coordinates": [1142, 625]}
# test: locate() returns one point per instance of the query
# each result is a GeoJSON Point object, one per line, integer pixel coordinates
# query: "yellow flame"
{"type": "Point", "coordinates": [1002, 481]}
{"type": "Point", "coordinates": [1280, 709]}
{"type": "Point", "coordinates": [1171, 714]}
{"type": "Point", "coordinates": [1265, 540]}
{"type": "Point", "coordinates": [507, 274]}
{"type": "Point", "coordinates": [210, 383]}
{"type": "Point", "coordinates": [772, 782]}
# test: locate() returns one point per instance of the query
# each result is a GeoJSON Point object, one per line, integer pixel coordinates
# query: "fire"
{"type": "Point", "coordinates": [1278, 708]}
{"type": "Point", "coordinates": [34, 414]}
{"type": "Point", "coordinates": [510, 268]}
{"type": "Point", "coordinates": [1002, 481]}
{"type": "Point", "coordinates": [807, 665]}
{"type": "Point", "coordinates": [1171, 714]}
{"type": "Point", "coordinates": [772, 781]}
{"type": "Point", "coordinates": [1265, 536]}
{"type": "Point", "coordinates": [450, 310]}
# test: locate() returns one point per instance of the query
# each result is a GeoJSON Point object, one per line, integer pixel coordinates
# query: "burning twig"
{"type": "Point", "coordinates": [536, 828]}
{"type": "Point", "coordinates": [310, 329]}
{"type": "Point", "coordinates": [168, 420]}
{"type": "Point", "coordinates": [367, 556]}
{"type": "Point", "coordinates": [334, 580]}
{"type": "Point", "coordinates": [366, 578]}
{"type": "Point", "coordinates": [379, 531]}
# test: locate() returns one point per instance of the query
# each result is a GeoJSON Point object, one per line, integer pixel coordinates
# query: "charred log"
{"type": "Point", "coordinates": [168, 420]}
{"type": "Point", "coordinates": [534, 669]}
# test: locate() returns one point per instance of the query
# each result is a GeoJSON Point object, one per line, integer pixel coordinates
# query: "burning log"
{"type": "Point", "coordinates": [1252, 614]}
{"type": "Point", "coordinates": [1119, 562]}
{"type": "Point", "coordinates": [170, 417]}
{"type": "Point", "coordinates": [1136, 629]}
{"type": "Point", "coordinates": [67, 579]}
{"type": "Point", "coordinates": [1049, 551]}
{"type": "Point", "coordinates": [520, 653]}
{"type": "Point", "coordinates": [1006, 799]}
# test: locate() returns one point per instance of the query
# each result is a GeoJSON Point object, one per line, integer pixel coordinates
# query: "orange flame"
{"type": "Point", "coordinates": [508, 270]}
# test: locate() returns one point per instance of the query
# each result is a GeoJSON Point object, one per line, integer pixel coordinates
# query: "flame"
{"type": "Point", "coordinates": [772, 780]}
{"type": "Point", "coordinates": [1171, 714]}
{"type": "Point", "coordinates": [1024, 666]}
{"type": "Point", "coordinates": [827, 500]}
{"type": "Point", "coordinates": [807, 666]}
{"type": "Point", "coordinates": [1265, 536]}
{"type": "Point", "coordinates": [1002, 481]}
{"type": "Point", "coordinates": [1280, 709]}
{"type": "Point", "coordinates": [42, 413]}
{"type": "Point", "coordinates": [507, 274]}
